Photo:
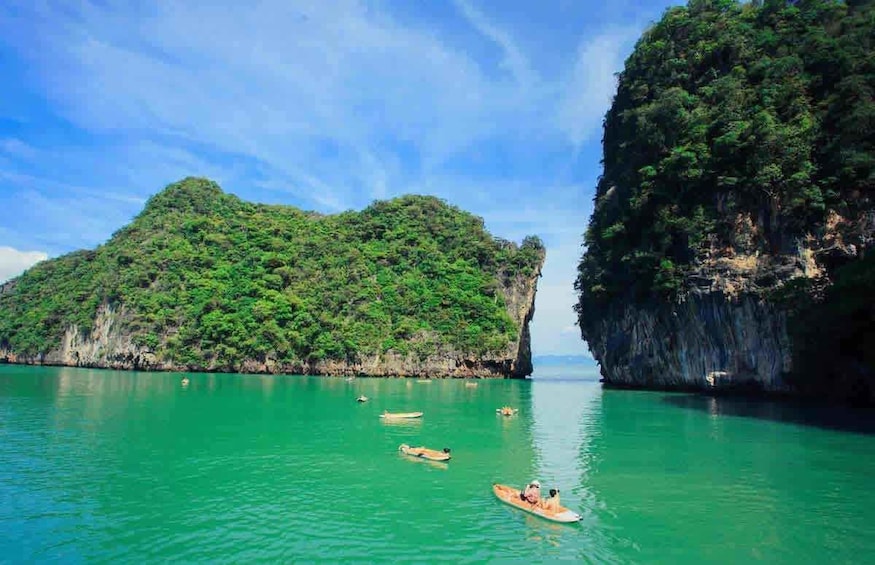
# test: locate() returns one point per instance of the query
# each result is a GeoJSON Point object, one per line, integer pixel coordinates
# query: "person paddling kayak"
{"type": "Point", "coordinates": [552, 503]}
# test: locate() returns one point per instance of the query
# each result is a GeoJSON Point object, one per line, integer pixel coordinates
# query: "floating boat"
{"type": "Point", "coordinates": [510, 495]}
{"type": "Point", "coordinates": [362, 398]}
{"type": "Point", "coordinates": [409, 423]}
{"type": "Point", "coordinates": [506, 411]}
{"type": "Point", "coordinates": [425, 453]}
{"type": "Point", "coordinates": [470, 384]}
{"type": "Point", "coordinates": [400, 415]}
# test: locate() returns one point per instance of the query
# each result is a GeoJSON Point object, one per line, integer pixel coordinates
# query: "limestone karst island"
{"type": "Point", "coordinates": [730, 243]}
{"type": "Point", "coordinates": [202, 281]}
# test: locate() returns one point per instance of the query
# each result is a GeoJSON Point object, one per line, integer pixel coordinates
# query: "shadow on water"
{"type": "Point", "coordinates": [829, 417]}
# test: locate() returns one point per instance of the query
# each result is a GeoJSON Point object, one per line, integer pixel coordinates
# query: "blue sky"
{"type": "Point", "coordinates": [495, 106]}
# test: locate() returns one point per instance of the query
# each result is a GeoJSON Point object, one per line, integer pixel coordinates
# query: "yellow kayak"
{"type": "Point", "coordinates": [425, 453]}
{"type": "Point", "coordinates": [510, 495]}
{"type": "Point", "coordinates": [400, 415]}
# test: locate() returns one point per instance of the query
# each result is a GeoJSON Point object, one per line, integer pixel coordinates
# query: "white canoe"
{"type": "Point", "coordinates": [400, 415]}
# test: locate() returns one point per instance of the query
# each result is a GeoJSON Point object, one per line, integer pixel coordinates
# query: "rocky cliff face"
{"type": "Point", "coordinates": [709, 340]}
{"type": "Point", "coordinates": [726, 331]}
{"type": "Point", "coordinates": [728, 240]}
{"type": "Point", "coordinates": [109, 345]}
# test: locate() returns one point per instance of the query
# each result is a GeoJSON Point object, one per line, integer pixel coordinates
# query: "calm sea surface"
{"type": "Point", "coordinates": [103, 466]}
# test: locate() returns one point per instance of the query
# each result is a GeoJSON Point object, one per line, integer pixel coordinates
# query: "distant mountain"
{"type": "Point", "coordinates": [560, 360]}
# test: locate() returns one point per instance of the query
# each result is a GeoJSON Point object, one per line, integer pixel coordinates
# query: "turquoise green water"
{"type": "Point", "coordinates": [105, 466]}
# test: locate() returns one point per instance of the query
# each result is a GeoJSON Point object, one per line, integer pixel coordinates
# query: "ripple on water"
{"type": "Point", "coordinates": [119, 467]}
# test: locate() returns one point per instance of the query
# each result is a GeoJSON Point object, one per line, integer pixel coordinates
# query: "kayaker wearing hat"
{"type": "Point", "coordinates": [532, 493]}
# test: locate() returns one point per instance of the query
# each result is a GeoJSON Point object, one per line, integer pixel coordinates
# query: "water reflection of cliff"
{"type": "Point", "coordinates": [566, 421]}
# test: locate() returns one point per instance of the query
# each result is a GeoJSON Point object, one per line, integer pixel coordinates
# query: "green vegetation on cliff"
{"type": "Point", "coordinates": [209, 280]}
{"type": "Point", "coordinates": [746, 132]}
{"type": "Point", "coordinates": [725, 111]}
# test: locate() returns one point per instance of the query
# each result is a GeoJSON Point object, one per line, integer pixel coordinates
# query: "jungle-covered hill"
{"type": "Point", "coordinates": [741, 140]}
{"type": "Point", "coordinates": [206, 280]}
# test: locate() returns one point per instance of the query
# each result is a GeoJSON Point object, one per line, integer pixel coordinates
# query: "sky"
{"type": "Point", "coordinates": [495, 106]}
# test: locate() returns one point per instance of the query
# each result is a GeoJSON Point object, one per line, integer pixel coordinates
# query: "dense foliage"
{"type": "Point", "coordinates": [210, 280]}
{"type": "Point", "coordinates": [727, 110]}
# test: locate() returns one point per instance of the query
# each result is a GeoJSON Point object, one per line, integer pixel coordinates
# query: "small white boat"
{"type": "Point", "coordinates": [400, 415]}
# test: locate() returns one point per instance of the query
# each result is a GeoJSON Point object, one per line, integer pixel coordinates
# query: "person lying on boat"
{"type": "Point", "coordinates": [532, 492]}
{"type": "Point", "coordinates": [552, 503]}
{"type": "Point", "coordinates": [421, 451]}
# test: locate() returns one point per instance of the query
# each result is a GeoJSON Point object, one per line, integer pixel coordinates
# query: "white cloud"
{"type": "Point", "coordinates": [591, 84]}
{"type": "Point", "coordinates": [307, 92]}
{"type": "Point", "coordinates": [513, 59]}
{"type": "Point", "coordinates": [14, 262]}
{"type": "Point", "coordinates": [64, 216]}
{"type": "Point", "coordinates": [16, 148]}
{"type": "Point", "coordinates": [321, 96]}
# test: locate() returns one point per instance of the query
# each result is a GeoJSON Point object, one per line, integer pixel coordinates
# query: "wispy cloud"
{"type": "Point", "coordinates": [16, 148]}
{"type": "Point", "coordinates": [513, 59]}
{"type": "Point", "coordinates": [62, 216]}
{"type": "Point", "coordinates": [318, 86]}
{"type": "Point", "coordinates": [14, 262]}
{"type": "Point", "coordinates": [307, 92]}
{"type": "Point", "coordinates": [591, 84]}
